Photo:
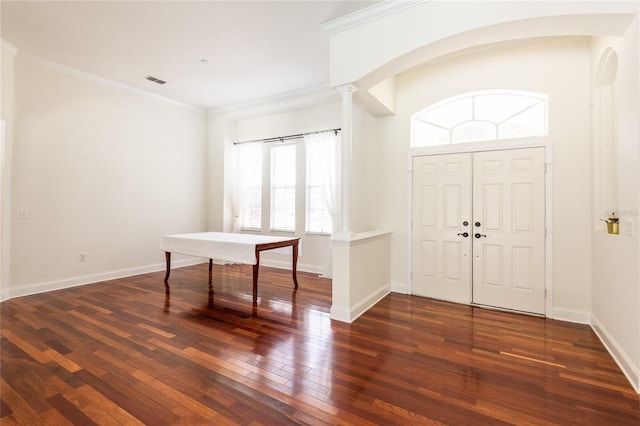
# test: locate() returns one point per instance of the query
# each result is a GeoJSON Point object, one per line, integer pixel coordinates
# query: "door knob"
{"type": "Point", "coordinates": [480, 235]}
{"type": "Point", "coordinates": [465, 223]}
{"type": "Point", "coordinates": [477, 224]}
{"type": "Point", "coordinates": [464, 234]}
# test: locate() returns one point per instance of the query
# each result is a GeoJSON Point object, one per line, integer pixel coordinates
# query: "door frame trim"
{"type": "Point", "coordinates": [499, 145]}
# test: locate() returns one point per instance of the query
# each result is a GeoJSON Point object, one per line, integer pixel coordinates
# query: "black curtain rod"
{"type": "Point", "coordinates": [288, 137]}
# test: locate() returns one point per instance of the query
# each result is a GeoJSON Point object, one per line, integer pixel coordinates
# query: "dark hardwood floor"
{"type": "Point", "coordinates": [119, 352]}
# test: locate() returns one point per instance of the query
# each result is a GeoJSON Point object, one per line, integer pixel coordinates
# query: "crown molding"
{"type": "Point", "coordinates": [305, 97]}
{"type": "Point", "coordinates": [9, 48]}
{"type": "Point", "coordinates": [83, 75]}
{"type": "Point", "coordinates": [370, 13]}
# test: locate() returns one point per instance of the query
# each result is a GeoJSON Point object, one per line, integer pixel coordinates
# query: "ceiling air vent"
{"type": "Point", "coordinates": [155, 80]}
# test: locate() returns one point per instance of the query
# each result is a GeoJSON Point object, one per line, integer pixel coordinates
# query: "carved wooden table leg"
{"type": "Point", "coordinates": [255, 277]}
{"type": "Point", "coordinates": [167, 256]}
{"type": "Point", "coordinates": [210, 288]}
{"type": "Point", "coordinates": [294, 265]}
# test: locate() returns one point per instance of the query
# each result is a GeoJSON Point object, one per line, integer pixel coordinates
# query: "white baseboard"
{"type": "Point", "coordinates": [571, 315]}
{"type": "Point", "coordinates": [94, 278]}
{"type": "Point", "coordinates": [402, 288]}
{"type": "Point", "coordinates": [340, 313]}
{"type": "Point", "coordinates": [313, 269]}
{"type": "Point", "coordinates": [631, 371]}
{"type": "Point", "coordinates": [350, 314]}
{"type": "Point", "coordinates": [370, 301]}
{"type": "Point", "coordinates": [122, 273]}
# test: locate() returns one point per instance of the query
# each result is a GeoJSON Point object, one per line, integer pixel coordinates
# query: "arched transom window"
{"type": "Point", "coordinates": [481, 116]}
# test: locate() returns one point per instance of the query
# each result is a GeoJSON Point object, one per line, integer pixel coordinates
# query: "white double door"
{"type": "Point", "coordinates": [479, 228]}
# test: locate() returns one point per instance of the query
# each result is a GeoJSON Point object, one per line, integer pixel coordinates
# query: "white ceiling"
{"type": "Point", "coordinates": [255, 49]}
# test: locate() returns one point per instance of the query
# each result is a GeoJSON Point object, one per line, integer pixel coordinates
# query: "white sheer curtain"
{"type": "Point", "coordinates": [248, 177]}
{"type": "Point", "coordinates": [321, 161]}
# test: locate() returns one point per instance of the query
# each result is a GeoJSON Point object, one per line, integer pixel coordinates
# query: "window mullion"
{"type": "Point", "coordinates": [301, 186]}
{"type": "Point", "coordinates": [266, 188]}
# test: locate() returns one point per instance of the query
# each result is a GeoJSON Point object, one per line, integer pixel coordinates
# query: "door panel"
{"type": "Point", "coordinates": [441, 257]}
{"type": "Point", "coordinates": [492, 208]}
{"type": "Point", "coordinates": [522, 260]}
{"type": "Point", "coordinates": [508, 202]}
{"type": "Point", "coordinates": [428, 256]}
{"type": "Point", "coordinates": [492, 265]}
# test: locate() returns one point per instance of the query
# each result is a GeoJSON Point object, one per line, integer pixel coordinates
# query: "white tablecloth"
{"type": "Point", "coordinates": [237, 248]}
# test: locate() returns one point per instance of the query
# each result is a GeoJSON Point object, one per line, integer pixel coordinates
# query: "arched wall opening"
{"type": "Point", "coordinates": [605, 139]}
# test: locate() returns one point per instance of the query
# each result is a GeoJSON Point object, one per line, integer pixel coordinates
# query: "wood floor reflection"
{"type": "Point", "coordinates": [120, 352]}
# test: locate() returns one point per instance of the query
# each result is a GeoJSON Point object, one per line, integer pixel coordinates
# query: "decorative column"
{"type": "Point", "coordinates": [361, 262]}
{"type": "Point", "coordinates": [346, 93]}
{"type": "Point", "coordinates": [341, 282]}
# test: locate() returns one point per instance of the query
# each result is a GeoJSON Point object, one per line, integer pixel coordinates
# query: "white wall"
{"type": "Point", "coordinates": [559, 68]}
{"type": "Point", "coordinates": [321, 117]}
{"type": "Point", "coordinates": [220, 136]}
{"type": "Point", "coordinates": [614, 262]}
{"type": "Point", "coordinates": [367, 176]}
{"type": "Point", "coordinates": [99, 170]}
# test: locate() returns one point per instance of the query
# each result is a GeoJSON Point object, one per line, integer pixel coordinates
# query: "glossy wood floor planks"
{"type": "Point", "coordinates": [120, 352]}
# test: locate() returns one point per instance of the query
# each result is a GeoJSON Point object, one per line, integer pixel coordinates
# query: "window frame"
{"type": "Point", "coordinates": [418, 117]}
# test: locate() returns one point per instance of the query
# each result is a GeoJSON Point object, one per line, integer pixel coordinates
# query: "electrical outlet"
{"type": "Point", "coordinates": [83, 257]}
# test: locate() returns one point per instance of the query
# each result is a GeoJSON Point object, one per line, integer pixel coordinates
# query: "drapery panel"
{"type": "Point", "coordinates": [247, 198]}
{"type": "Point", "coordinates": [321, 173]}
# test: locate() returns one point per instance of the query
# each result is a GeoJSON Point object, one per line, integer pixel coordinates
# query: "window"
{"type": "Point", "coordinates": [305, 166]}
{"type": "Point", "coordinates": [283, 188]}
{"type": "Point", "coordinates": [481, 116]}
